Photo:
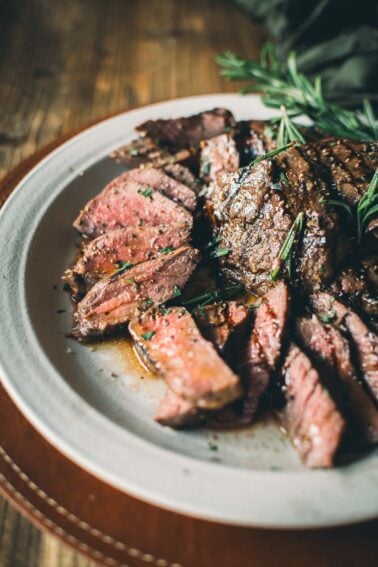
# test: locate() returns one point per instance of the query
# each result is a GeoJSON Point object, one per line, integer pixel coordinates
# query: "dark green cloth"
{"type": "Point", "coordinates": [337, 39]}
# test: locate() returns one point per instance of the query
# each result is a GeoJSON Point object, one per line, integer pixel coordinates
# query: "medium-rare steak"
{"type": "Point", "coordinates": [128, 203]}
{"type": "Point", "coordinates": [115, 300]}
{"type": "Point", "coordinates": [310, 416]}
{"type": "Point", "coordinates": [186, 132]}
{"type": "Point", "coordinates": [109, 252]}
{"type": "Point", "coordinates": [253, 210]}
{"type": "Point", "coordinates": [176, 412]}
{"type": "Point", "coordinates": [331, 351]}
{"type": "Point", "coordinates": [364, 340]}
{"type": "Point", "coordinates": [218, 155]}
{"type": "Point", "coordinates": [183, 175]}
{"type": "Point", "coordinates": [264, 347]}
{"type": "Point", "coordinates": [158, 180]}
{"type": "Point", "coordinates": [189, 364]}
{"type": "Point", "coordinates": [221, 322]}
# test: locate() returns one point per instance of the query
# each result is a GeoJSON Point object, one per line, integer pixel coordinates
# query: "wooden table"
{"type": "Point", "coordinates": [64, 63]}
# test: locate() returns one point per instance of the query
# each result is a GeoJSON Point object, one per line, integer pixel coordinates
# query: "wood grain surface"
{"type": "Point", "coordinates": [64, 63]}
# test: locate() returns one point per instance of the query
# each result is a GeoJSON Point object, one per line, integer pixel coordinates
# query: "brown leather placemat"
{"type": "Point", "coordinates": [117, 529]}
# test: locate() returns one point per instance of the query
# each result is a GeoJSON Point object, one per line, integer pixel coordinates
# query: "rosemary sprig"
{"type": "Point", "coordinates": [204, 299]}
{"type": "Point", "coordinates": [283, 84]}
{"type": "Point", "coordinates": [287, 131]}
{"type": "Point", "coordinates": [337, 203]}
{"type": "Point", "coordinates": [367, 206]}
{"type": "Point", "coordinates": [122, 267]}
{"type": "Point", "coordinates": [287, 247]}
{"type": "Point", "coordinates": [271, 154]}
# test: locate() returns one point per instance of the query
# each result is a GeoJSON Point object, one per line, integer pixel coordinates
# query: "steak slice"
{"type": "Point", "coordinates": [115, 300]}
{"type": "Point", "coordinates": [364, 340]}
{"type": "Point", "coordinates": [310, 415]}
{"type": "Point", "coordinates": [183, 175]}
{"type": "Point", "coordinates": [106, 253]}
{"type": "Point", "coordinates": [264, 347]}
{"type": "Point", "coordinates": [189, 131]}
{"type": "Point", "coordinates": [145, 152]}
{"type": "Point", "coordinates": [253, 210]}
{"type": "Point", "coordinates": [331, 351]}
{"type": "Point", "coordinates": [128, 203]}
{"type": "Point", "coordinates": [218, 155]}
{"type": "Point", "coordinates": [159, 181]}
{"type": "Point", "coordinates": [259, 358]}
{"type": "Point", "coordinates": [177, 412]}
{"type": "Point", "coordinates": [220, 322]}
{"type": "Point", "coordinates": [253, 139]}
{"type": "Point", "coordinates": [188, 363]}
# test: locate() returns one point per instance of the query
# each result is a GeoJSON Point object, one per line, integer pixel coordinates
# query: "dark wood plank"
{"type": "Point", "coordinates": [67, 62]}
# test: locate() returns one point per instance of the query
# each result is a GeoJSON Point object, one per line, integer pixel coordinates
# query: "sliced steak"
{"type": "Point", "coordinates": [188, 363]}
{"type": "Point", "coordinates": [223, 324]}
{"type": "Point", "coordinates": [253, 138]}
{"type": "Point", "coordinates": [310, 416]}
{"type": "Point", "coordinates": [219, 322]}
{"type": "Point", "coordinates": [115, 300]}
{"type": "Point", "coordinates": [107, 253]}
{"type": "Point", "coordinates": [259, 358]}
{"type": "Point", "coordinates": [144, 152]}
{"type": "Point", "coordinates": [183, 175]}
{"type": "Point", "coordinates": [356, 286]}
{"type": "Point", "coordinates": [218, 155]}
{"type": "Point", "coordinates": [364, 340]}
{"type": "Point", "coordinates": [186, 132]}
{"type": "Point", "coordinates": [128, 203]}
{"type": "Point", "coordinates": [177, 412]}
{"type": "Point", "coordinates": [253, 210]}
{"type": "Point", "coordinates": [158, 180]}
{"type": "Point", "coordinates": [331, 352]}
{"type": "Point", "coordinates": [264, 347]}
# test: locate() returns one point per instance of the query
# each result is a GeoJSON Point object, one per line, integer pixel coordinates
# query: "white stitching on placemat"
{"type": "Point", "coordinates": [59, 531]}
{"type": "Point", "coordinates": [132, 552]}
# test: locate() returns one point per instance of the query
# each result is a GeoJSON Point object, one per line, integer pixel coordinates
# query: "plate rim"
{"type": "Point", "coordinates": [184, 461]}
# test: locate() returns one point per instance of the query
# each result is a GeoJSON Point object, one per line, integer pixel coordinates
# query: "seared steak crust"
{"type": "Point", "coordinates": [252, 211]}
{"type": "Point", "coordinates": [104, 255]}
{"type": "Point", "coordinates": [158, 180]}
{"type": "Point", "coordinates": [146, 153]}
{"type": "Point", "coordinates": [364, 340]}
{"type": "Point", "coordinates": [124, 203]}
{"type": "Point", "coordinates": [347, 165]}
{"type": "Point", "coordinates": [115, 300]}
{"type": "Point", "coordinates": [332, 353]}
{"type": "Point", "coordinates": [186, 132]}
{"type": "Point", "coordinates": [310, 416]}
{"type": "Point", "coordinates": [188, 363]}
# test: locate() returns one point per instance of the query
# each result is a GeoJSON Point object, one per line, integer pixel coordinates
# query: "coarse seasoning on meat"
{"type": "Point", "coordinates": [112, 251]}
{"type": "Point", "coordinates": [113, 301]}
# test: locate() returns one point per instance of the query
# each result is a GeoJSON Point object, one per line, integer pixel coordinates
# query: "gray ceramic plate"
{"type": "Point", "coordinates": [104, 421]}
